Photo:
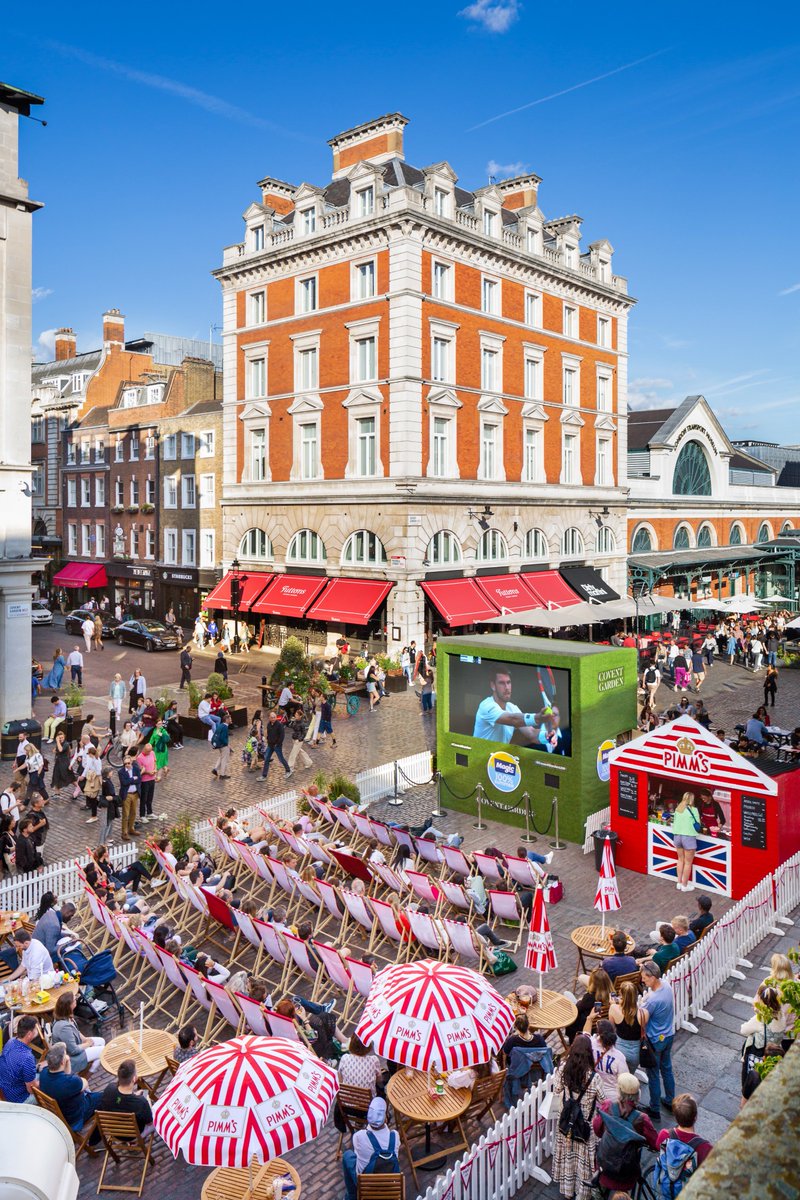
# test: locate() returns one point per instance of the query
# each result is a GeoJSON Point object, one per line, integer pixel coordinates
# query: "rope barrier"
{"type": "Point", "coordinates": [416, 782]}
{"type": "Point", "coordinates": [455, 795]}
{"type": "Point", "coordinates": [544, 832]}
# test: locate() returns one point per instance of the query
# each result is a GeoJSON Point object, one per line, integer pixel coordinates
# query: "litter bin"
{"type": "Point", "coordinates": [600, 836]}
{"type": "Point", "coordinates": [11, 732]}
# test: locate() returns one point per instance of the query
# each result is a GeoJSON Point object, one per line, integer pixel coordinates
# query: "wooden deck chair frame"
{"type": "Point", "coordinates": [382, 833]}
{"type": "Point", "coordinates": [274, 950]}
{"type": "Point", "coordinates": [329, 909]}
{"type": "Point", "coordinates": [352, 1104]}
{"type": "Point", "coordinates": [465, 943]}
{"type": "Point", "coordinates": [284, 884]}
{"type": "Point", "coordinates": [318, 853]}
{"type": "Point", "coordinates": [357, 912]}
{"type": "Point", "coordinates": [427, 850]}
{"type": "Point", "coordinates": [501, 905]}
{"type": "Point", "coordinates": [252, 1014]}
{"type": "Point", "coordinates": [361, 975]}
{"type": "Point", "coordinates": [174, 975]}
{"type": "Point", "coordinates": [488, 866]}
{"type": "Point", "coordinates": [152, 988]}
{"type": "Point", "coordinates": [201, 998]}
{"type": "Point", "coordinates": [247, 935]}
{"type": "Point", "coordinates": [120, 1135]}
{"type": "Point", "coordinates": [220, 913]}
{"type": "Point", "coordinates": [422, 887]}
{"type": "Point", "coordinates": [80, 1138]}
{"type": "Point", "coordinates": [524, 872]}
{"type": "Point", "coordinates": [226, 1009]}
{"type": "Point", "coordinates": [284, 1027]}
{"type": "Point", "coordinates": [337, 974]}
{"type": "Point", "coordinates": [344, 822]}
{"type": "Point", "coordinates": [455, 860]}
{"type": "Point", "coordinates": [381, 1187]}
{"type": "Point", "coordinates": [429, 941]}
{"type": "Point", "coordinates": [351, 864]}
{"type": "Point", "coordinates": [403, 838]}
{"type": "Point", "coordinates": [389, 878]}
{"type": "Point", "coordinates": [456, 896]}
{"type": "Point", "coordinates": [137, 966]}
{"type": "Point", "coordinates": [363, 826]}
{"type": "Point", "coordinates": [299, 964]}
{"type": "Point", "coordinates": [386, 923]}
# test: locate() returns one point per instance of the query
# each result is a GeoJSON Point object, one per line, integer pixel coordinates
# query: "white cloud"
{"type": "Point", "coordinates": [46, 345]}
{"type": "Point", "coordinates": [505, 170]}
{"type": "Point", "coordinates": [647, 392]}
{"type": "Point", "coordinates": [788, 291]}
{"type": "Point", "coordinates": [496, 16]}
{"type": "Point", "coordinates": [41, 293]}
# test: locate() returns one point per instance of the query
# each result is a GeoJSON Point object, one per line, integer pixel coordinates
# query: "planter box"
{"type": "Point", "coordinates": [395, 683]}
{"type": "Point", "coordinates": [193, 727]}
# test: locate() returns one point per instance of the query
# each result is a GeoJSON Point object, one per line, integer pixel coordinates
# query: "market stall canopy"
{"type": "Point", "coordinates": [459, 601]}
{"type": "Point", "coordinates": [550, 589]}
{"type": "Point", "coordinates": [508, 593]}
{"type": "Point", "coordinates": [589, 584]}
{"type": "Point", "coordinates": [290, 595]}
{"type": "Point", "coordinates": [80, 574]}
{"type": "Point", "coordinates": [352, 601]}
{"type": "Point", "coordinates": [253, 584]}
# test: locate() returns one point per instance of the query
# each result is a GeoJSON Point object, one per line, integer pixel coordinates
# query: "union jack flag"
{"type": "Point", "coordinates": [711, 866]}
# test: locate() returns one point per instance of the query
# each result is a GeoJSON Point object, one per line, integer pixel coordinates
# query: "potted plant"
{"type": "Point", "coordinates": [148, 508]}
{"type": "Point", "coordinates": [195, 696]}
{"type": "Point", "coordinates": [74, 697]}
{"type": "Point", "coordinates": [118, 508]}
{"type": "Point", "coordinates": [180, 834]}
{"type": "Point", "coordinates": [395, 680]}
{"type": "Point", "coordinates": [133, 508]}
{"type": "Point", "coordinates": [215, 683]}
{"type": "Point", "coordinates": [340, 785]}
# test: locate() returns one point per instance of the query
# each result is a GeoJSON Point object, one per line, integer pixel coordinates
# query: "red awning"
{"type": "Point", "coordinates": [460, 601]}
{"type": "Point", "coordinates": [352, 601]}
{"type": "Point", "coordinates": [290, 595]}
{"type": "Point", "coordinates": [80, 574]}
{"type": "Point", "coordinates": [549, 589]}
{"type": "Point", "coordinates": [509, 592]}
{"type": "Point", "coordinates": [253, 584]}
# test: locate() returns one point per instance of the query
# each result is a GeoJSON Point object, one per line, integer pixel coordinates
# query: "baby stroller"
{"type": "Point", "coordinates": [97, 1001]}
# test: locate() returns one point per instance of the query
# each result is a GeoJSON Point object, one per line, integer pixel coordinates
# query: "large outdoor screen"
{"type": "Point", "coordinates": [511, 703]}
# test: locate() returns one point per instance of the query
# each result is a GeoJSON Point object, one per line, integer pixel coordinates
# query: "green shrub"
{"type": "Point", "coordinates": [74, 696]}
{"type": "Point", "coordinates": [215, 683]}
{"type": "Point", "coordinates": [386, 663]}
{"type": "Point", "coordinates": [195, 694]}
{"type": "Point", "coordinates": [346, 673]}
{"type": "Point", "coordinates": [180, 834]}
{"type": "Point", "coordinates": [340, 785]}
{"type": "Point", "coordinates": [293, 656]}
{"type": "Point", "coordinates": [164, 700]}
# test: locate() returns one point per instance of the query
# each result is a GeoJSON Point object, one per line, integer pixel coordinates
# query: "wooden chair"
{"type": "Point", "coordinates": [485, 1094]}
{"type": "Point", "coordinates": [703, 932]}
{"type": "Point", "coordinates": [352, 1104]}
{"type": "Point", "coordinates": [121, 1137]}
{"type": "Point", "coordinates": [80, 1137]}
{"type": "Point", "coordinates": [634, 977]}
{"type": "Point", "coordinates": [381, 1187]}
{"type": "Point", "coordinates": [172, 1065]}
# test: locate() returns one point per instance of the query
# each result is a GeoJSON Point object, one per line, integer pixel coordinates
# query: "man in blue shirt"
{"type": "Point", "coordinates": [18, 1065]}
{"type": "Point", "coordinates": [684, 938]}
{"type": "Point", "coordinates": [70, 1092]}
{"type": "Point", "coordinates": [657, 1014]}
{"type": "Point", "coordinates": [50, 927]}
{"type": "Point", "coordinates": [756, 731]}
{"type": "Point", "coordinates": [619, 963]}
{"type": "Point", "coordinates": [496, 717]}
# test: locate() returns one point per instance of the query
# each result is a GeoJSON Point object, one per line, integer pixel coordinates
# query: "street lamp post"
{"type": "Point", "coordinates": [236, 599]}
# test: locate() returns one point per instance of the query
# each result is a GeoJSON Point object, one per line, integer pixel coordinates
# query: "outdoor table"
{"type": "Point", "coordinates": [150, 1060]}
{"type": "Point", "coordinates": [9, 921]}
{"type": "Point", "coordinates": [554, 1013]}
{"type": "Point", "coordinates": [407, 1092]}
{"type": "Point", "coordinates": [594, 942]}
{"type": "Point", "coordinates": [33, 1008]}
{"type": "Point", "coordinates": [232, 1183]}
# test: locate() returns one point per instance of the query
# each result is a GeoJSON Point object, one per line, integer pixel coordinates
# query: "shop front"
{"type": "Point", "coordinates": [76, 582]}
{"type": "Point", "coordinates": [458, 601]}
{"type": "Point", "coordinates": [749, 809]}
{"type": "Point", "coordinates": [182, 590]}
{"type": "Point", "coordinates": [134, 587]}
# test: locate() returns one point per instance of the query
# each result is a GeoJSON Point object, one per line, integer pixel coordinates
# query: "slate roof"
{"type": "Point", "coordinates": [644, 424]}
{"type": "Point", "coordinates": [65, 368]}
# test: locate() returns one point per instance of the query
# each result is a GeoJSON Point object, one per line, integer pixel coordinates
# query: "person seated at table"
{"type": "Point", "coordinates": [374, 1149]}
{"type": "Point", "coordinates": [18, 1063]}
{"type": "Point", "coordinates": [34, 957]}
{"type": "Point", "coordinates": [756, 730]}
{"type": "Point", "coordinates": [71, 1093]}
{"type": "Point", "coordinates": [123, 1096]}
{"type": "Point", "coordinates": [665, 953]}
{"type": "Point", "coordinates": [360, 1067]}
{"type": "Point", "coordinates": [763, 715]}
{"type": "Point", "coordinates": [82, 1050]}
{"type": "Point", "coordinates": [622, 1106]}
{"type": "Point", "coordinates": [50, 921]}
{"type": "Point", "coordinates": [523, 1036]}
{"type": "Point", "coordinates": [704, 916]}
{"type": "Point", "coordinates": [610, 1062]}
{"type": "Point", "coordinates": [319, 1029]}
{"type": "Point", "coordinates": [620, 962]}
{"type": "Point", "coordinates": [188, 1044]}
{"type": "Point", "coordinates": [596, 997]}
{"type": "Point", "coordinates": [684, 938]}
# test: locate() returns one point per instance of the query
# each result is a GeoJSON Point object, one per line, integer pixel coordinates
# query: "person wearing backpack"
{"type": "Point", "coordinates": [578, 1091]}
{"type": "Point", "coordinates": [651, 678]}
{"type": "Point", "coordinates": [374, 1149]}
{"type": "Point", "coordinates": [220, 742]}
{"type": "Point", "coordinates": [623, 1131]}
{"type": "Point", "coordinates": [680, 1151]}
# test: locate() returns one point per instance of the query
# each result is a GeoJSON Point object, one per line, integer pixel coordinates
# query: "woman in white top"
{"type": "Point", "coordinates": [609, 1061]}
{"type": "Point", "coordinates": [359, 1067]}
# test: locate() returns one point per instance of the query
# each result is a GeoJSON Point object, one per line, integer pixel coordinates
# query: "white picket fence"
{"type": "Point", "coordinates": [22, 893]}
{"type": "Point", "coordinates": [506, 1157]}
{"type": "Point", "coordinates": [594, 822]}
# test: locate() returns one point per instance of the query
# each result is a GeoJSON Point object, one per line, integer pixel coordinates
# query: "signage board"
{"type": "Point", "coordinates": [754, 822]}
{"type": "Point", "coordinates": [628, 795]}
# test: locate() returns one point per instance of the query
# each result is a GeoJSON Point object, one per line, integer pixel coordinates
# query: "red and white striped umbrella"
{"type": "Point", "coordinates": [245, 1099]}
{"type": "Point", "coordinates": [607, 897]}
{"type": "Point", "coordinates": [540, 954]}
{"type": "Point", "coordinates": [428, 1013]}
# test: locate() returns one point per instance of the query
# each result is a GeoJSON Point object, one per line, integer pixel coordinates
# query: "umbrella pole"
{"type": "Point", "coordinates": [540, 989]}
{"type": "Point", "coordinates": [603, 924]}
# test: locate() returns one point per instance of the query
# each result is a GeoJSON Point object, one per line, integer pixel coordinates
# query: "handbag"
{"type": "Point", "coordinates": [696, 819]}
{"type": "Point", "coordinates": [646, 1056]}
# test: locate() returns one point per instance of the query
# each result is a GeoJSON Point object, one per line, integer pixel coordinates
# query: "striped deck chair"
{"type": "Point", "coordinates": [172, 970]}
{"type": "Point", "coordinates": [427, 850]}
{"type": "Point", "coordinates": [253, 1014]}
{"type": "Point", "coordinates": [507, 910]}
{"type": "Point", "coordinates": [303, 966]}
{"type": "Point", "coordinates": [456, 861]}
{"type": "Point", "coordinates": [389, 877]}
{"type": "Point", "coordinates": [332, 907]}
{"type": "Point", "coordinates": [201, 997]}
{"type": "Point", "coordinates": [382, 833]}
{"type": "Point", "coordinates": [336, 974]}
{"type": "Point", "coordinates": [246, 931]}
{"type": "Point", "coordinates": [358, 910]}
{"type": "Point", "coordinates": [220, 914]}
{"type": "Point", "coordinates": [456, 895]}
{"type": "Point", "coordinates": [489, 867]}
{"type": "Point", "coordinates": [360, 973]}
{"type": "Point", "coordinates": [226, 1008]}
{"type": "Point", "coordinates": [421, 886]}
{"type": "Point", "coordinates": [283, 1027]}
{"type": "Point", "coordinates": [425, 930]}
{"type": "Point", "coordinates": [272, 942]}
{"type": "Point", "coordinates": [524, 872]}
{"type": "Point", "coordinates": [387, 923]}
{"type": "Point", "coordinates": [465, 943]}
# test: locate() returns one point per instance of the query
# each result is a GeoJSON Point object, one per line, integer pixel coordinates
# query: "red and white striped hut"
{"type": "Point", "coordinates": [749, 808]}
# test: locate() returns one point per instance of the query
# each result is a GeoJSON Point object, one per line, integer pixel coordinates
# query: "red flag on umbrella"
{"type": "Point", "coordinates": [607, 898]}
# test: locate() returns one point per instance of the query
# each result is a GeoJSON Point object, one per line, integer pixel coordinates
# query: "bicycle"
{"type": "Point", "coordinates": [113, 752]}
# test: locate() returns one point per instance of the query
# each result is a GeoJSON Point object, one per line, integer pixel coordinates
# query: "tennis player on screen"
{"type": "Point", "coordinates": [496, 717]}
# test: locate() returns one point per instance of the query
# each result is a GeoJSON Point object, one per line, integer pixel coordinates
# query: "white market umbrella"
{"type": "Point", "coordinates": [607, 895]}
{"type": "Point", "coordinates": [540, 953]}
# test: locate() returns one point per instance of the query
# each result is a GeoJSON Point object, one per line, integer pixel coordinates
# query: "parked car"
{"type": "Point", "coordinates": [75, 619]}
{"type": "Point", "coordinates": [151, 635]}
{"type": "Point", "coordinates": [40, 613]}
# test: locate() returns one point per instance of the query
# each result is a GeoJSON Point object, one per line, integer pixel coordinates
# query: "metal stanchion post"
{"type": "Point", "coordinates": [479, 799]}
{"type": "Point", "coordinates": [396, 802]}
{"type": "Point", "coordinates": [528, 837]}
{"type": "Point", "coordinates": [557, 844]}
{"type": "Point", "coordinates": [438, 811]}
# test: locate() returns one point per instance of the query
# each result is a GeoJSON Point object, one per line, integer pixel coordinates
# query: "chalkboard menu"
{"type": "Point", "coordinates": [628, 795]}
{"type": "Point", "coordinates": [754, 822]}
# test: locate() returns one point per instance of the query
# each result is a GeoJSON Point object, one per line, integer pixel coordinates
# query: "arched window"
{"type": "Point", "coordinates": [572, 543]}
{"type": "Point", "coordinates": [681, 538]}
{"type": "Point", "coordinates": [692, 476]}
{"type": "Point", "coordinates": [256, 545]}
{"type": "Point", "coordinates": [642, 542]}
{"type": "Point", "coordinates": [444, 548]}
{"type": "Point", "coordinates": [787, 527]}
{"type": "Point", "coordinates": [704, 536]}
{"type": "Point", "coordinates": [492, 547]}
{"type": "Point", "coordinates": [364, 549]}
{"type": "Point", "coordinates": [735, 535]}
{"type": "Point", "coordinates": [535, 545]}
{"type": "Point", "coordinates": [306, 547]}
{"type": "Point", "coordinates": [606, 542]}
{"type": "Point", "coordinates": [764, 533]}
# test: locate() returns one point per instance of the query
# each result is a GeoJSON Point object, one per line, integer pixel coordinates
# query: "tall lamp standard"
{"type": "Point", "coordinates": [236, 599]}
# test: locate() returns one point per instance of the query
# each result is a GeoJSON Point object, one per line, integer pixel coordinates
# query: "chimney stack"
{"type": "Point", "coordinates": [113, 329]}
{"type": "Point", "coordinates": [519, 192]}
{"type": "Point", "coordinates": [66, 344]}
{"type": "Point", "coordinates": [375, 141]}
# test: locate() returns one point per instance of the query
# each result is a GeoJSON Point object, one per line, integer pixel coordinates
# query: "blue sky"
{"type": "Point", "coordinates": [162, 118]}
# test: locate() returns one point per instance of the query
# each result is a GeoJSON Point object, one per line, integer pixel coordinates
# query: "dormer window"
{"type": "Point", "coordinates": [490, 220]}
{"type": "Point", "coordinates": [308, 217]}
{"type": "Point", "coordinates": [534, 241]}
{"type": "Point", "coordinates": [440, 199]}
{"type": "Point", "coordinates": [130, 398]}
{"type": "Point", "coordinates": [571, 256]}
{"type": "Point", "coordinates": [258, 237]}
{"type": "Point", "coordinates": [365, 201]}
{"type": "Point", "coordinates": [155, 393]}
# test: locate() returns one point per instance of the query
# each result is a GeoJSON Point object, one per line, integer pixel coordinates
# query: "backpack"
{"type": "Point", "coordinates": [620, 1145]}
{"type": "Point", "coordinates": [214, 736]}
{"type": "Point", "coordinates": [383, 1162]}
{"type": "Point", "coordinates": [676, 1163]}
{"type": "Point", "coordinates": [650, 675]}
{"type": "Point", "coordinates": [572, 1123]}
